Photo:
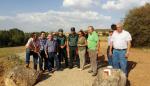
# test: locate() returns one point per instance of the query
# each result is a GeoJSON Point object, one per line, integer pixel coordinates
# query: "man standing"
{"type": "Point", "coordinates": [51, 52]}
{"type": "Point", "coordinates": [72, 43]}
{"type": "Point", "coordinates": [93, 45]}
{"type": "Point", "coordinates": [43, 40]}
{"type": "Point", "coordinates": [121, 42]}
{"type": "Point", "coordinates": [32, 48]}
{"type": "Point", "coordinates": [62, 42]}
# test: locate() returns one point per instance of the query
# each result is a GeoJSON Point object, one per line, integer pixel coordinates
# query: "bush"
{"type": "Point", "coordinates": [137, 22]}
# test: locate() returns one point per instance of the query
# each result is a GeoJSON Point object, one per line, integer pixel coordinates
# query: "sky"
{"type": "Point", "coordinates": [50, 15]}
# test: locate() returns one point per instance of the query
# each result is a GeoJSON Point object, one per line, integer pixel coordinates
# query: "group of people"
{"type": "Point", "coordinates": [54, 50]}
{"type": "Point", "coordinates": [51, 51]}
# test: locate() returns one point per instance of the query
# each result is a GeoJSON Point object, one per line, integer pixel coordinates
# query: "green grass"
{"type": "Point", "coordinates": [4, 52]}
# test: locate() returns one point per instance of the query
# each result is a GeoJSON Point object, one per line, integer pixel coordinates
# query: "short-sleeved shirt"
{"type": "Point", "coordinates": [92, 40]}
{"type": "Point", "coordinates": [81, 41]}
{"type": "Point", "coordinates": [61, 40]}
{"type": "Point", "coordinates": [42, 43]}
{"type": "Point", "coordinates": [73, 40]}
{"type": "Point", "coordinates": [51, 46]}
{"type": "Point", "coordinates": [120, 40]}
{"type": "Point", "coordinates": [33, 44]}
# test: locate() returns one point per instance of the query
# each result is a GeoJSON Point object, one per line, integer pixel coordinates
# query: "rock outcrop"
{"type": "Point", "coordinates": [21, 76]}
{"type": "Point", "coordinates": [110, 77]}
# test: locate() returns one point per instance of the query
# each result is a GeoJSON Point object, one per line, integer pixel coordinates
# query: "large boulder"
{"type": "Point", "coordinates": [21, 76]}
{"type": "Point", "coordinates": [110, 77]}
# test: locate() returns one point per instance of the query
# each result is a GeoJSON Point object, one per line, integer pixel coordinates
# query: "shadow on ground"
{"type": "Point", "coordinates": [43, 77]}
{"type": "Point", "coordinates": [131, 66]}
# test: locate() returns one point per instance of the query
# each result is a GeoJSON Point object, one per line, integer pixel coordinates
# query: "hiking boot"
{"type": "Point", "coordinates": [90, 71]}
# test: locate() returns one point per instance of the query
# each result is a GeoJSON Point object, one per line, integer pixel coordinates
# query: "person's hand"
{"type": "Point", "coordinates": [127, 54]}
{"type": "Point", "coordinates": [61, 47]}
{"type": "Point", "coordinates": [79, 45]}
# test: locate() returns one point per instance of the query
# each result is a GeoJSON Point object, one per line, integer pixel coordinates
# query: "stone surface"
{"type": "Point", "coordinates": [21, 76]}
{"type": "Point", "coordinates": [117, 78]}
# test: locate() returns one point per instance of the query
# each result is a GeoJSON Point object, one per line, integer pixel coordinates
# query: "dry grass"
{"type": "Point", "coordinates": [11, 51]}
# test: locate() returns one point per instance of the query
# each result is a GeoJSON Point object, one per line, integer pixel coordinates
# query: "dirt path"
{"type": "Point", "coordinates": [68, 77]}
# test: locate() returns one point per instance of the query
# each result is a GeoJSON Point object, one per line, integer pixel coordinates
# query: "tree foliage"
{"type": "Point", "coordinates": [13, 37]}
{"type": "Point", "coordinates": [137, 22]}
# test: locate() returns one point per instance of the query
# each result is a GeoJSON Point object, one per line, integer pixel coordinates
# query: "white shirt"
{"type": "Point", "coordinates": [120, 40]}
{"type": "Point", "coordinates": [32, 44]}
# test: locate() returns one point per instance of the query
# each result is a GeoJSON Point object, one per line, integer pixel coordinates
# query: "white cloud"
{"type": "Point", "coordinates": [80, 4]}
{"type": "Point", "coordinates": [123, 4]}
{"type": "Point", "coordinates": [53, 20]}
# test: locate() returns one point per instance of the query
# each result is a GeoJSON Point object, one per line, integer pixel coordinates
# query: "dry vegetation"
{"type": "Point", "coordinates": [8, 59]}
{"type": "Point", "coordinates": [139, 63]}
{"type": "Point", "coordinates": [4, 52]}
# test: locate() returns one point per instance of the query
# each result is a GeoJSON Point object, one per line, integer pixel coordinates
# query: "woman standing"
{"type": "Point", "coordinates": [82, 43]}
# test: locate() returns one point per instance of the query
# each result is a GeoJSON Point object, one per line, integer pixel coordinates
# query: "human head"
{"type": "Point", "coordinates": [90, 29]}
{"type": "Point", "coordinates": [72, 30]}
{"type": "Point", "coordinates": [60, 31]}
{"type": "Point", "coordinates": [43, 34]}
{"type": "Point", "coordinates": [110, 32]}
{"type": "Point", "coordinates": [50, 37]}
{"type": "Point", "coordinates": [81, 33]}
{"type": "Point", "coordinates": [113, 27]}
{"type": "Point", "coordinates": [34, 36]}
{"type": "Point", "coordinates": [119, 27]}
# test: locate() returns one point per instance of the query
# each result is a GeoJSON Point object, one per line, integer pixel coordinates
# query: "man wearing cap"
{"type": "Point", "coordinates": [121, 42]}
{"type": "Point", "coordinates": [93, 45]}
{"type": "Point", "coordinates": [62, 42]}
{"type": "Point", "coordinates": [72, 43]}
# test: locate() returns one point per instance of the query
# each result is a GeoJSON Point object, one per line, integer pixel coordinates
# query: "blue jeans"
{"type": "Point", "coordinates": [35, 57]}
{"type": "Point", "coordinates": [119, 60]}
{"type": "Point", "coordinates": [53, 59]}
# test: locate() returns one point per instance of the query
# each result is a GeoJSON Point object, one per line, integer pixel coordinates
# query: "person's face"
{"type": "Point", "coordinates": [80, 34]}
{"type": "Point", "coordinates": [60, 33]}
{"type": "Point", "coordinates": [43, 35]}
{"type": "Point", "coordinates": [50, 37]}
{"type": "Point", "coordinates": [110, 33]}
{"type": "Point", "coordinates": [119, 28]}
{"type": "Point", "coordinates": [89, 30]}
{"type": "Point", "coordinates": [34, 37]}
{"type": "Point", "coordinates": [73, 32]}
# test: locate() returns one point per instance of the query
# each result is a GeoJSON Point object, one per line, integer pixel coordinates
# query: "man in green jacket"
{"type": "Point", "coordinates": [62, 42]}
{"type": "Point", "coordinates": [72, 43]}
{"type": "Point", "coordinates": [93, 44]}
